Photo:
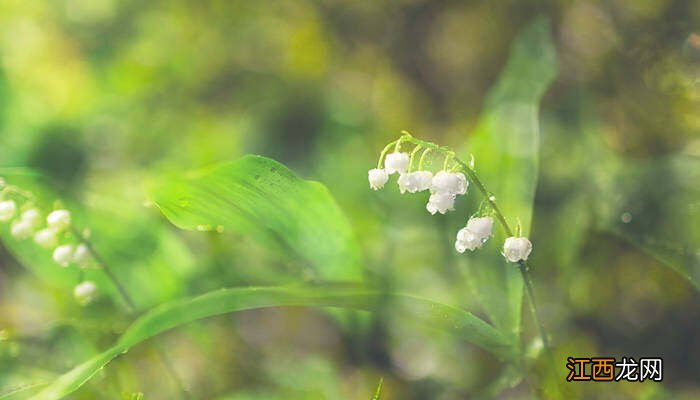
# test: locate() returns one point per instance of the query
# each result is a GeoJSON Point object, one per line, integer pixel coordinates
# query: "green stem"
{"type": "Point", "coordinates": [422, 157]}
{"type": "Point", "coordinates": [383, 154]}
{"type": "Point", "coordinates": [131, 307]}
{"type": "Point", "coordinates": [413, 153]}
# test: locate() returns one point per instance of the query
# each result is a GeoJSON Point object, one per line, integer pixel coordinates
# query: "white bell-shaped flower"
{"type": "Point", "coordinates": [46, 238]}
{"type": "Point", "coordinates": [475, 234]}
{"type": "Point", "coordinates": [440, 202]}
{"type": "Point", "coordinates": [423, 180]}
{"type": "Point", "coordinates": [517, 248]}
{"type": "Point", "coordinates": [32, 217]}
{"type": "Point", "coordinates": [85, 292]}
{"type": "Point", "coordinates": [63, 255]}
{"type": "Point", "coordinates": [21, 229]}
{"type": "Point", "coordinates": [81, 256]}
{"type": "Point", "coordinates": [377, 178]}
{"type": "Point", "coordinates": [454, 183]}
{"type": "Point", "coordinates": [413, 182]}
{"type": "Point", "coordinates": [407, 183]}
{"type": "Point", "coordinates": [8, 208]}
{"type": "Point", "coordinates": [396, 162]}
{"type": "Point", "coordinates": [58, 220]}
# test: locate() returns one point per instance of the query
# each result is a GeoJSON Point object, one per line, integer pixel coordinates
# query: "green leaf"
{"type": "Point", "coordinates": [168, 316]}
{"type": "Point", "coordinates": [506, 148]}
{"type": "Point", "coordinates": [378, 392]}
{"type": "Point", "coordinates": [23, 392]}
{"type": "Point", "coordinates": [262, 198]}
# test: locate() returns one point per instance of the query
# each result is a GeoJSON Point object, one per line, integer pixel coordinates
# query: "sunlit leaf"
{"type": "Point", "coordinates": [262, 198]}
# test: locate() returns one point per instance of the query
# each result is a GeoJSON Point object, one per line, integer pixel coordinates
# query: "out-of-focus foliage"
{"type": "Point", "coordinates": [100, 96]}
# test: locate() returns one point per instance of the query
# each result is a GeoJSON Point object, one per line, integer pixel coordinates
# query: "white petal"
{"type": "Point", "coordinates": [517, 248]}
{"type": "Point", "coordinates": [481, 227]}
{"type": "Point", "coordinates": [58, 220]}
{"type": "Point", "coordinates": [441, 202]}
{"type": "Point", "coordinates": [396, 162]}
{"type": "Point", "coordinates": [377, 178]}
{"type": "Point", "coordinates": [423, 180]}
{"type": "Point", "coordinates": [81, 256]}
{"type": "Point", "coordinates": [31, 216]}
{"type": "Point", "coordinates": [46, 238]}
{"type": "Point", "coordinates": [63, 255]}
{"type": "Point", "coordinates": [21, 229]}
{"type": "Point", "coordinates": [85, 292]}
{"type": "Point", "coordinates": [7, 210]}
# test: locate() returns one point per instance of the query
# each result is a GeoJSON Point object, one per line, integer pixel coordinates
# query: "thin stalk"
{"type": "Point", "coordinates": [131, 307]}
{"type": "Point", "coordinates": [413, 154]}
{"type": "Point", "coordinates": [422, 158]}
{"type": "Point", "coordinates": [383, 154]}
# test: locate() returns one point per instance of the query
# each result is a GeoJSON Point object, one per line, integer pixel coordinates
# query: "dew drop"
{"type": "Point", "coordinates": [183, 201]}
{"type": "Point", "coordinates": [626, 217]}
{"type": "Point", "coordinates": [203, 228]}
{"type": "Point", "coordinates": [220, 228]}
{"type": "Point", "coordinates": [492, 198]}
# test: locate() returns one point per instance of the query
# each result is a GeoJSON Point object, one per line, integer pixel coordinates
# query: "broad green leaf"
{"type": "Point", "coordinates": [171, 315]}
{"type": "Point", "coordinates": [506, 148]}
{"type": "Point", "coordinates": [262, 198]}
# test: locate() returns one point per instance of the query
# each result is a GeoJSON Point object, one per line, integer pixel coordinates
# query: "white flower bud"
{"type": "Point", "coordinates": [63, 255]}
{"type": "Point", "coordinates": [449, 182]}
{"type": "Point", "coordinates": [517, 248]}
{"type": "Point", "coordinates": [396, 162]}
{"type": "Point", "coordinates": [377, 178]}
{"type": "Point", "coordinates": [58, 220]}
{"type": "Point", "coordinates": [81, 256]}
{"type": "Point", "coordinates": [21, 229]}
{"type": "Point", "coordinates": [46, 238]}
{"type": "Point", "coordinates": [440, 202]}
{"type": "Point", "coordinates": [475, 234]}
{"type": "Point", "coordinates": [85, 292]}
{"type": "Point", "coordinates": [32, 217]}
{"type": "Point", "coordinates": [8, 208]}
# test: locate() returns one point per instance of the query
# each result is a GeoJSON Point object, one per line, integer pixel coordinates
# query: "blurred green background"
{"type": "Point", "coordinates": [101, 96]}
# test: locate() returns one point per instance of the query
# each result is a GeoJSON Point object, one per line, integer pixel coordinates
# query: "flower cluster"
{"type": "Point", "coordinates": [444, 186]}
{"type": "Point", "coordinates": [52, 233]}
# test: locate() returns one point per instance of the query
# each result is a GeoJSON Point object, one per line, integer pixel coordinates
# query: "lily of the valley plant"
{"type": "Point", "coordinates": [445, 185]}
{"type": "Point", "coordinates": [408, 160]}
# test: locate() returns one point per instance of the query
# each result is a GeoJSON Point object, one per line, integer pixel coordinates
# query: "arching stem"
{"type": "Point", "coordinates": [413, 153]}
